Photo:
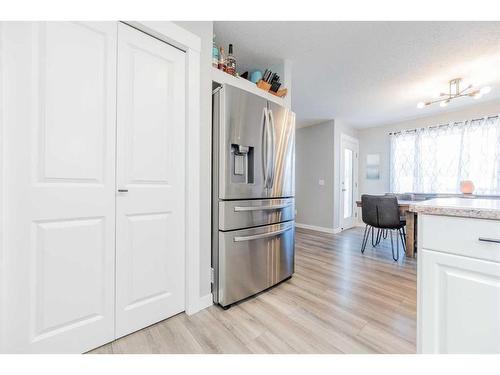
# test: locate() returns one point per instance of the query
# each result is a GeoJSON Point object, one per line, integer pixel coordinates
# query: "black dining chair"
{"type": "Point", "coordinates": [382, 213]}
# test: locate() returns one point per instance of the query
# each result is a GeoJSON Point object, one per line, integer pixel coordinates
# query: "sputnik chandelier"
{"type": "Point", "coordinates": [456, 92]}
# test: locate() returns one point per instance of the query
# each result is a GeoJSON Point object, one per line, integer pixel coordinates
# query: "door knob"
{"type": "Point", "coordinates": [123, 190]}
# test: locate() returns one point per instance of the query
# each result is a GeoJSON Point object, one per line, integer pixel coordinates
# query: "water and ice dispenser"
{"type": "Point", "coordinates": [242, 160]}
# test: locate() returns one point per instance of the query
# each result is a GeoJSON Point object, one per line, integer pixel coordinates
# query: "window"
{"type": "Point", "coordinates": [436, 159]}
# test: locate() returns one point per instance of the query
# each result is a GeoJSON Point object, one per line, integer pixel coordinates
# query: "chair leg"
{"type": "Point", "coordinates": [402, 237]}
{"type": "Point", "coordinates": [365, 238]}
{"type": "Point", "coordinates": [377, 237]}
{"type": "Point", "coordinates": [395, 257]}
{"type": "Point", "coordinates": [397, 249]}
{"type": "Point", "coordinates": [380, 232]}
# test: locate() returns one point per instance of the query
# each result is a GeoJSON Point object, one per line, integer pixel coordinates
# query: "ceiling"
{"type": "Point", "coordinates": [369, 73]}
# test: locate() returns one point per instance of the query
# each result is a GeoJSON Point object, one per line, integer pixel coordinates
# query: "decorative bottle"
{"type": "Point", "coordinates": [231, 62]}
{"type": "Point", "coordinates": [222, 59]}
{"type": "Point", "coordinates": [215, 54]}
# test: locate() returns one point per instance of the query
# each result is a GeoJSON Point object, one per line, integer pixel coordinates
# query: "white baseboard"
{"type": "Point", "coordinates": [318, 229]}
{"type": "Point", "coordinates": [206, 301]}
{"type": "Point", "coordinates": [203, 303]}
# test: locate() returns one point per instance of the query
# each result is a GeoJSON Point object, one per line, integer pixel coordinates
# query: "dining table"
{"type": "Point", "coordinates": [411, 224]}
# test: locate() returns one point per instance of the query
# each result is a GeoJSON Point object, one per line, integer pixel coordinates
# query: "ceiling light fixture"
{"type": "Point", "coordinates": [485, 90]}
{"type": "Point", "coordinates": [455, 92]}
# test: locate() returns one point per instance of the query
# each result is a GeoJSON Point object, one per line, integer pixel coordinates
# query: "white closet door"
{"type": "Point", "coordinates": [59, 115]}
{"type": "Point", "coordinates": [150, 247]}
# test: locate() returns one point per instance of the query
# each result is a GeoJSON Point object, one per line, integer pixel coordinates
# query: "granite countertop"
{"type": "Point", "coordinates": [463, 207]}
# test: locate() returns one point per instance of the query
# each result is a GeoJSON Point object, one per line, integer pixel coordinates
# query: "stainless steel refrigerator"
{"type": "Point", "coordinates": [253, 232]}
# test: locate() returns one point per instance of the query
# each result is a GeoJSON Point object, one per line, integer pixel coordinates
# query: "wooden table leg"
{"type": "Point", "coordinates": [410, 234]}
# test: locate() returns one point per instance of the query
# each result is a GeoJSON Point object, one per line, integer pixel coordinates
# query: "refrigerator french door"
{"type": "Point", "coordinates": [253, 194]}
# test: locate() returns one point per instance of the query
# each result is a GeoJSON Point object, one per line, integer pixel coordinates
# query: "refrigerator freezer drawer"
{"type": "Point", "coordinates": [251, 213]}
{"type": "Point", "coordinates": [252, 260]}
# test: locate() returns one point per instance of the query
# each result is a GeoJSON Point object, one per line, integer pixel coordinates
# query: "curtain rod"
{"type": "Point", "coordinates": [442, 125]}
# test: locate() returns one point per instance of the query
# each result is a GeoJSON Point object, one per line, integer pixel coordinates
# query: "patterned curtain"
{"type": "Point", "coordinates": [435, 159]}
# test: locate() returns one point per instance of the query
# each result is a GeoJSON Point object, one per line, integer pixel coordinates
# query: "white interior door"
{"type": "Point", "coordinates": [150, 243]}
{"type": "Point", "coordinates": [59, 106]}
{"type": "Point", "coordinates": [348, 181]}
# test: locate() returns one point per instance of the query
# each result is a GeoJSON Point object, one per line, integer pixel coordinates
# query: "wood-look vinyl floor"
{"type": "Point", "coordinates": [338, 301]}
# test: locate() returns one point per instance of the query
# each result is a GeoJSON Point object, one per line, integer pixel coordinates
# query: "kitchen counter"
{"type": "Point", "coordinates": [463, 207]}
{"type": "Point", "coordinates": [458, 276]}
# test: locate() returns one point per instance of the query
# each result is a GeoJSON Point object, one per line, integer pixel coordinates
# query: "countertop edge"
{"type": "Point", "coordinates": [483, 213]}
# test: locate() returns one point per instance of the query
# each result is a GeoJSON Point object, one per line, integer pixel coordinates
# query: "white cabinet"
{"type": "Point", "coordinates": [460, 305]}
{"type": "Point", "coordinates": [59, 103]}
{"type": "Point", "coordinates": [458, 293]}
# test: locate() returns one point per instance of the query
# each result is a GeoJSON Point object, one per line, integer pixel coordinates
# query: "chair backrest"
{"type": "Point", "coordinates": [380, 211]}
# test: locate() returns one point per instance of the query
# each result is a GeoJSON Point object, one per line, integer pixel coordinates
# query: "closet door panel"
{"type": "Point", "coordinates": [150, 171]}
{"type": "Point", "coordinates": [60, 125]}
{"type": "Point", "coordinates": [72, 108]}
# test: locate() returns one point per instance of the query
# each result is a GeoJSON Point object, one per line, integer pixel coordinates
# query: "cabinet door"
{"type": "Point", "coordinates": [150, 273]}
{"type": "Point", "coordinates": [460, 304]}
{"type": "Point", "coordinates": [59, 107]}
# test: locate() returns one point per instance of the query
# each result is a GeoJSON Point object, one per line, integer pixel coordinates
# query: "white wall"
{"type": "Point", "coordinates": [313, 162]}
{"type": "Point", "coordinates": [318, 156]}
{"type": "Point", "coordinates": [204, 29]}
{"type": "Point", "coordinates": [376, 140]}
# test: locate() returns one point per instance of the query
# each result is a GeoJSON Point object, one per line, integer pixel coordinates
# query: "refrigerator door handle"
{"type": "Point", "coordinates": [262, 208]}
{"type": "Point", "coordinates": [263, 235]}
{"type": "Point", "coordinates": [273, 151]}
{"type": "Point", "coordinates": [265, 147]}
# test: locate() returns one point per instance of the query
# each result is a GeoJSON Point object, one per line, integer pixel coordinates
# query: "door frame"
{"type": "Point", "coordinates": [343, 138]}
{"type": "Point", "coordinates": [2, 197]}
{"type": "Point", "coordinates": [190, 43]}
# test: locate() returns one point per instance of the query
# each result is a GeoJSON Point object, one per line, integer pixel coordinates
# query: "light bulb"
{"type": "Point", "coordinates": [478, 95]}
{"type": "Point", "coordinates": [444, 103]}
{"type": "Point", "coordinates": [421, 105]}
{"type": "Point", "coordinates": [485, 90]}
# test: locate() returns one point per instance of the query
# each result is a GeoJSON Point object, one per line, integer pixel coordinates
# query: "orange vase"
{"type": "Point", "coordinates": [466, 187]}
